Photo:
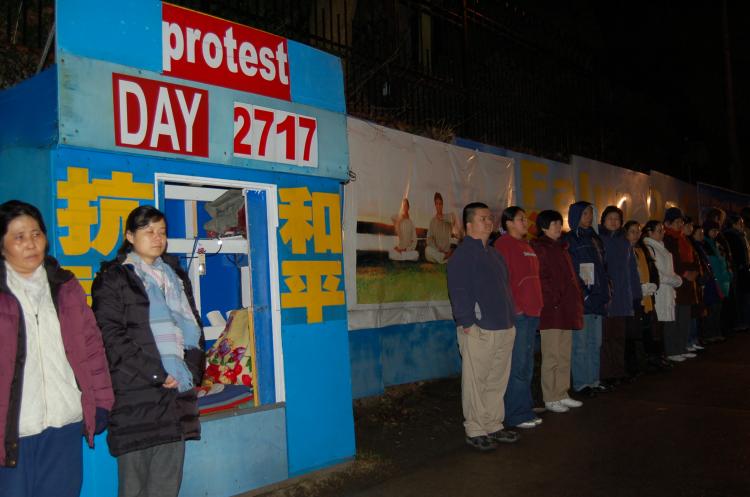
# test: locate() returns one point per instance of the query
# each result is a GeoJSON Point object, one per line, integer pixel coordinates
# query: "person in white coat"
{"type": "Point", "coordinates": [653, 233]}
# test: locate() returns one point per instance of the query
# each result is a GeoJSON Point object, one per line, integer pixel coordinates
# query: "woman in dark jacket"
{"type": "Point", "coordinates": [144, 305]}
{"type": "Point", "coordinates": [54, 384]}
{"type": "Point", "coordinates": [622, 269]}
{"type": "Point", "coordinates": [562, 311]}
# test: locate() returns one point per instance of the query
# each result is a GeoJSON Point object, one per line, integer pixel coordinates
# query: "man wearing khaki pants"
{"type": "Point", "coordinates": [483, 311]}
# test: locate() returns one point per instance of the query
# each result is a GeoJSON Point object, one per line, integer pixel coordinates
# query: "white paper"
{"type": "Point", "coordinates": [586, 272]}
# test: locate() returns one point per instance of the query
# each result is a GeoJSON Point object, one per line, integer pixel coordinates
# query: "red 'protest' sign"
{"type": "Point", "coordinates": [155, 115]}
{"type": "Point", "coordinates": [210, 50]}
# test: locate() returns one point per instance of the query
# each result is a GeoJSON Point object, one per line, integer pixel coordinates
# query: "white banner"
{"type": "Point", "coordinates": [403, 218]}
{"type": "Point", "coordinates": [604, 184]}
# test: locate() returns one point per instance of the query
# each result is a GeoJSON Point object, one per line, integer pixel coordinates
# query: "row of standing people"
{"type": "Point", "coordinates": [67, 371]}
{"type": "Point", "coordinates": [607, 304]}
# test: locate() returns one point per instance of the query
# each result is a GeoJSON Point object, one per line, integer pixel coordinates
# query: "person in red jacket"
{"type": "Point", "coordinates": [562, 311]}
{"type": "Point", "coordinates": [523, 269]}
{"type": "Point", "coordinates": [54, 380]}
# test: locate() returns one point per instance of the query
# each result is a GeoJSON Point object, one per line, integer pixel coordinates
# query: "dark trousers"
{"type": "Point", "coordinates": [152, 472]}
{"type": "Point", "coordinates": [519, 404]}
{"type": "Point", "coordinates": [638, 331]}
{"type": "Point", "coordinates": [676, 332]}
{"type": "Point", "coordinates": [614, 332]}
{"type": "Point", "coordinates": [49, 464]}
{"type": "Point", "coordinates": [711, 322]}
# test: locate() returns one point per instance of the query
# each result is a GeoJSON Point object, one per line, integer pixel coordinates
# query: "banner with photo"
{"type": "Point", "coordinates": [666, 191]}
{"type": "Point", "coordinates": [403, 219]}
{"type": "Point", "coordinates": [603, 184]}
{"type": "Point", "coordinates": [710, 196]}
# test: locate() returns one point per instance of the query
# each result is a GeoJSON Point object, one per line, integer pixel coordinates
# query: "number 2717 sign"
{"type": "Point", "coordinates": [276, 136]}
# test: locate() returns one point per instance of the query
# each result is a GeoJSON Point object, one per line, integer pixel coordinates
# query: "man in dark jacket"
{"type": "Point", "coordinates": [483, 311]}
{"type": "Point", "coordinates": [587, 252]}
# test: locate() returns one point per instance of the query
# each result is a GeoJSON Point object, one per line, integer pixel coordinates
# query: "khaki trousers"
{"type": "Point", "coordinates": [485, 368]}
{"type": "Point", "coordinates": [556, 351]}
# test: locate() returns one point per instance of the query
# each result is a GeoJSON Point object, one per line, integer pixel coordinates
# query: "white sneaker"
{"type": "Point", "coordinates": [691, 348]}
{"type": "Point", "coordinates": [689, 355]}
{"type": "Point", "coordinates": [526, 425]}
{"type": "Point", "coordinates": [568, 402]}
{"type": "Point", "coordinates": [556, 406]}
{"type": "Point", "coordinates": [676, 358]}
{"type": "Point", "coordinates": [537, 421]}
{"type": "Point", "coordinates": [699, 347]}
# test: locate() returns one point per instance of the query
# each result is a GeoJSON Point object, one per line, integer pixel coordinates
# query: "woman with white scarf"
{"type": "Point", "coordinates": [152, 333]}
{"type": "Point", "coordinates": [653, 233]}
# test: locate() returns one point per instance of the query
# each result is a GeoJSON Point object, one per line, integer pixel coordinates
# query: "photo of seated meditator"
{"type": "Point", "coordinates": [406, 248]}
{"type": "Point", "coordinates": [438, 246]}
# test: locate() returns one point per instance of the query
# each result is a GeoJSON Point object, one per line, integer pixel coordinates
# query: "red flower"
{"type": "Point", "coordinates": [213, 371]}
{"type": "Point", "coordinates": [247, 380]}
{"type": "Point", "coordinates": [237, 368]}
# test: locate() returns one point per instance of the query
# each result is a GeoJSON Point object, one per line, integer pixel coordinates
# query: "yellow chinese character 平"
{"type": "Point", "coordinates": [313, 285]}
{"type": "Point", "coordinates": [299, 216]}
{"type": "Point", "coordinates": [116, 196]}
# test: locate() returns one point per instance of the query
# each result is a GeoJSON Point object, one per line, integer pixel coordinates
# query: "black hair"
{"type": "Point", "coordinates": [12, 209]}
{"type": "Point", "coordinates": [745, 213]}
{"type": "Point", "coordinates": [545, 218]}
{"type": "Point", "coordinates": [470, 209]}
{"type": "Point", "coordinates": [140, 217]}
{"type": "Point", "coordinates": [732, 219]}
{"type": "Point", "coordinates": [509, 214]}
{"type": "Point", "coordinates": [626, 226]}
{"type": "Point", "coordinates": [609, 210]}
{"type": "Point", "coordinates": [650, 226]}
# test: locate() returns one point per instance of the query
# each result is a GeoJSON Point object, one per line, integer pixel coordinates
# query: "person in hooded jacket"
{"type": "Point", "coordinates": [587, 253]}
{"type": "Point", "coordinates": [562, 312]}
{"type": "Point", "coordinates": [54, 381]}
{"type": "Point", "coordinates": [622, 270]}
{"type": "Point", "coordinates": [144, 304]}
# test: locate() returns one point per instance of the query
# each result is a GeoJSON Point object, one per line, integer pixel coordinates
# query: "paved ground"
{"type": "Point", "coordinates": [684, 433]}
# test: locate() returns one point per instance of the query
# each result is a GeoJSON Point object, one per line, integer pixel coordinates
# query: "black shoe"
{"type": "Point", "coordinates": [504, 436]}
{"type": "Point", "coordinates": [586, 392]}
{"type": "Point", "coordinates": [603, 388]}
{"type": "Point", "coordinates": [482, 443]}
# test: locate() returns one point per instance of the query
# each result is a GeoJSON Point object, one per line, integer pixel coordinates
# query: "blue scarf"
{"type": "Point", "coordinates": [171, 319]}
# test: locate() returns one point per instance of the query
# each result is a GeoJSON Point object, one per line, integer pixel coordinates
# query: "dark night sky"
{"type": "Point", "coordinates": [674, 55]}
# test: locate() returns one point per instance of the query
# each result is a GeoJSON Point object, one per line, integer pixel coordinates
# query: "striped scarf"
{"type": "Point", "coordinates": [170, 316]}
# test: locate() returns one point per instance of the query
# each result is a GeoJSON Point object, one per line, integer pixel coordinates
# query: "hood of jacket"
{"type": "Point", "coordinates": [575, 211]}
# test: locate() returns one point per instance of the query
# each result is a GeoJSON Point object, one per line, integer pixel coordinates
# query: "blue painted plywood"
{"type": "Point", "coordinates": [317, 78]}
{"type": "Point", "coordinates": [28, 112]}
{"type": "Point", "coordinates": [128, 32]}
{"type": "Point", "coordinates": [320, 425]}
{"type": "Point", "coordinates": [236, 454]}
{"type": "Point", "coordinates": [25, 175]}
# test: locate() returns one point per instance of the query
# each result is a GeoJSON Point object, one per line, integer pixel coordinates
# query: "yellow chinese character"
{"type": "Point", "coordinates": [298, 215]}
{"type": "Point", "coordinates": [80, 215]}
{"type": "Point", "coordinates": [331, 239]}
{"type": "Point", "coordinates": [318, 289]}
